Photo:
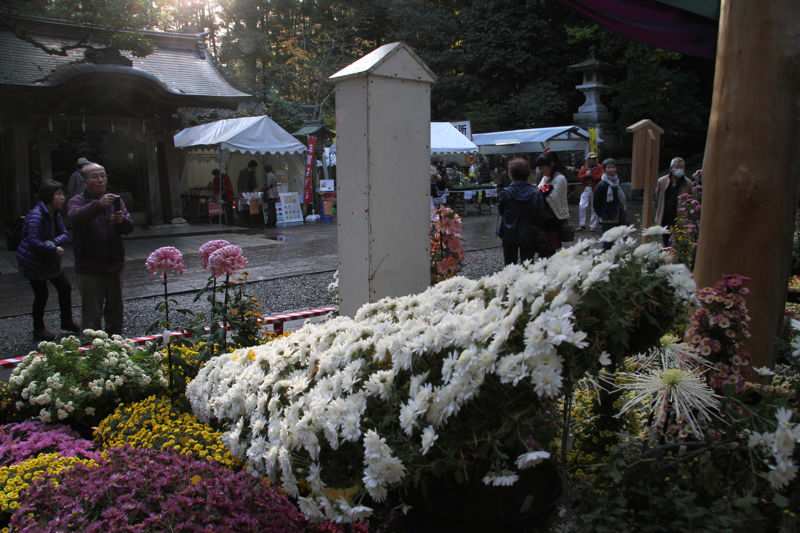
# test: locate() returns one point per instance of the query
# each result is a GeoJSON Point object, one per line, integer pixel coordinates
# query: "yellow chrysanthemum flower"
{"type": "Point", "coordinates": [153, 423]}
{"type": "Point", "coordinates": [18, 477]}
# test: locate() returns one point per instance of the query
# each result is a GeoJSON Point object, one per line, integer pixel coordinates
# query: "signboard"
{"type": "Point", "coordinates": [308, 189]}
{"type": "Point", "coordinates": [327, 185]}
{"type": "Point", "coordinates": [465, 127]}
{"type": "Point", "coordinates": [288, 209]}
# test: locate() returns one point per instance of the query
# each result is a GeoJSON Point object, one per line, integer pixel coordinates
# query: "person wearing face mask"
{"type": "Point", "coordinates": [609, 198]}
{"type": "Point", "coordinates": [668, 190]}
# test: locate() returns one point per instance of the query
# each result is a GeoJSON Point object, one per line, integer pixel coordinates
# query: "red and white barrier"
{"type": "Point", "coordinates": [276, 321]}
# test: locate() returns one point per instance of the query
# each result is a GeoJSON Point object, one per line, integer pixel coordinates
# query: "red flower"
{"type": "Point", "coordinates": [545, 188]}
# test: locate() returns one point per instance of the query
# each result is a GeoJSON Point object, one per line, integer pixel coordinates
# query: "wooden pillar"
{"type": "Point", "coordinates": [750, 170]}
{"type": "Point", "coordinates": [383, 157]}
{"type": "Point", "coordinates": [154, 210]}
{"type": "Point", "coordinates": [22, 168]}
{"type": "Point", "coordinates": [644, 167]}
{"type": "Point", "coordinates": [45, 161]}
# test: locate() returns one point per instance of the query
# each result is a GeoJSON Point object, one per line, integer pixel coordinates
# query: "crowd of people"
{"type": "Point", "coordinates": [533, 211]}
{"type": "Point", "coordinates": [248, 182]}
{"type": "Point", "coordinates": [535, 220]}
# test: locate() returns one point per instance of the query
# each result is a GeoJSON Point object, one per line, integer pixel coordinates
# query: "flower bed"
{"type": "Point", "coordinates": [411, 387]}
{"type": "Point", "coordinates": [15, 479]}
{"type": "Point", "coordinates": [61, 383]}
{"type": "Point", "coordinates": [24, 440]}
{"type": "Point", "coordinates": [156, 491]}
{"type": "Point", "coordinates": [155, 424]}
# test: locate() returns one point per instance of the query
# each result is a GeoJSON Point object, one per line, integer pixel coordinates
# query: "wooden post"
{"type": "Point", "coordinates": [750, 170]}
{"type": "Point", "coordinates": [155, 214]}
{"type": "Point", "coordinates": [22, 168]}
{"type": "Point", "coordinates": [383, 159]}
{"type": "Point", "coordinates": [644, 168]}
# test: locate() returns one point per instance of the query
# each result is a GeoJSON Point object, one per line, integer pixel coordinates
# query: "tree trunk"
{"type": "Point", "coordinates": [750, 168]}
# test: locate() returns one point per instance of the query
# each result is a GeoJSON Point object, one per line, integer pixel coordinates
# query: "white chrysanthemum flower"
{"type": "Point", "coordinates": [649, 251]}
{"type": "Point", "coordinates": [668, 388]}
{"type": "Point", "coordinates": [680, 279]}
{"type": "Point", "coordinates": [605, 359]}
{"type": "Point", "coordinates": [527, 460]}
{"type": "Point", "coordinates": [781, 444]}
{"type": "Point", "coordinates": [429, 437]}
{"type": "Point", "coordinates": [382, 468]}
{"type": "Point", "coordinates": [506, 478]}
{"type": "Point", "coordinates": [353, 513]}
{"type": "Point", "coordinates": [617, 233]}
{"type": "Point", "coordinates": [764, 371]}
{"type": "Point", "coordinates": [599, 273]}
{"type": "Point", "coordinates": [655, 231]}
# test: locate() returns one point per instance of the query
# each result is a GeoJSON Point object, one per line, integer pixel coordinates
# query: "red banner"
{"type": "Point", "coordinates": [308, 190]}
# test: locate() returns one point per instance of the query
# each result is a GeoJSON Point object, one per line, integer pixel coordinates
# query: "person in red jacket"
{"type": "Point", "coordinates": [589, 174]}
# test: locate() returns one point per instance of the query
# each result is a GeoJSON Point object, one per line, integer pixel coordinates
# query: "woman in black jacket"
{"type": "Point", "coordinates": [609, 198]}
{"type": "Point", "coordinates": [39, 257]}
{"type": "Point", "coordinates": [522, 214]}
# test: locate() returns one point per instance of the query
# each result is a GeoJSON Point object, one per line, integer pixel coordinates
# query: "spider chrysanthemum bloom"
{"type": "Point", "coordinates": [209, 248]}
{"type": "Point", "coordinates": [165, 259]}
{"type": "Point", "coordinates": [227, 260]}
{"type": "Point", "coordinates": [671, 388]}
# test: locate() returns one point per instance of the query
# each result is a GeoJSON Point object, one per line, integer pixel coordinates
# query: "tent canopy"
{"type": "Point", "coordinates": [556, 138]}
{"type": "Point", "coordinates": [446, 139]}
{"type": "Point", "coordinates": [248, 135]}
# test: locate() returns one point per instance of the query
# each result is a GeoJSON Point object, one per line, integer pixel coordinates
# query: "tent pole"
{"type": "Point", "coordinates": [222, 173]}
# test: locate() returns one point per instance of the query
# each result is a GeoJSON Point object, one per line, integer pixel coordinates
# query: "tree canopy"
{"type": "Point", "coordinates": [501, 63]}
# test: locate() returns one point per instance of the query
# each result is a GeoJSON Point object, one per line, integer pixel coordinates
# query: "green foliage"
{"type": "Point", "coordinates": [124, 17]}
{"type": "Point", "coordinates": [704, 491]}
{"type": "Point", "coordinates": [62, 383]}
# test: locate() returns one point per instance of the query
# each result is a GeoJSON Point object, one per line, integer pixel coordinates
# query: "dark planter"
{"type": "Point", "coordinates": [443, 505]}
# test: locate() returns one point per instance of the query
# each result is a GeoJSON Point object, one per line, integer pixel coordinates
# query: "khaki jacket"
{"type": "Point", "coordinates": [661, 193]}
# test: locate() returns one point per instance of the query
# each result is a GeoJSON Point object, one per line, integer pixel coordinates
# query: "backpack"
{"type": "Point", "coordinates": [14, 234]}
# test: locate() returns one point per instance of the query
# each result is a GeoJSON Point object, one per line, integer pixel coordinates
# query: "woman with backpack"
{"type": "Point", "coordinates": [39, 257]}
{"type": "Point", "coordinates": [522, 215]}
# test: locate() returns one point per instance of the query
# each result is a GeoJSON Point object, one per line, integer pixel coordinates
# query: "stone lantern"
{"type": "Point", "coordinates": [593, 113]}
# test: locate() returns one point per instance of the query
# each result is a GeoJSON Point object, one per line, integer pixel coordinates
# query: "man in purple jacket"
{"type": "Point", "coordinates": [99, 220]}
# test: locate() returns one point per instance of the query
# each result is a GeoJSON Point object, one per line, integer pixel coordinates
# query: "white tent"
{"type": "Point", "coordinates": [446, 139]}
{"type": "Point", "coordinates": [556, 138]}
{"type": "Point", "coordinates": [248, 135]}
{"type": "Point", "coordinates": [236, 141]}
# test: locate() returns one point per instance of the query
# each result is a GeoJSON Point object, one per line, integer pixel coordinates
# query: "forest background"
{"type": "Point", "coordinates": [502, 64]}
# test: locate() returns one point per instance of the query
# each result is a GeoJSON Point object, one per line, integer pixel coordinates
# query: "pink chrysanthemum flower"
{"type": "Point", "coordinates": [209, 248]}
{"type": "Point", "coordinates": [165, 259]}
{"type": "Point", "coordinates": [227, 260]}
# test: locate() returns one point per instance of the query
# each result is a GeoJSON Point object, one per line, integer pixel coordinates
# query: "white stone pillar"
{"type": "Point", "coordinates": [383, 159]}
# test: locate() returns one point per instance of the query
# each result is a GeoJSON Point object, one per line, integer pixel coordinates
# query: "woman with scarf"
{"type": "Point", "coordinates": [553, 186]}
{"type": "Point", "coordinates": [609, 198]}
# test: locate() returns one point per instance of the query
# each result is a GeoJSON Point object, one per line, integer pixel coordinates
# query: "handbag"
{"type": "Point", "coordinates": [566, 233]}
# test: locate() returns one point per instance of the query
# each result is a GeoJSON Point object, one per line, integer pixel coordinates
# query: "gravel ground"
{"type": "Point", "coordinates": [283, 294]}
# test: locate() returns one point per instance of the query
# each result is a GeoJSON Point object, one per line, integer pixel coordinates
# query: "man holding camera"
{"type": "Point", "coordinates": [99, 220]}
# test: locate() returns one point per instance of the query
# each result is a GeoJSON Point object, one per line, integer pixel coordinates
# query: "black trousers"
{"type": "Point", "coordinates": [516, 253]}
{"type": "Point", "coordinates": [272, 213]}
{"type": "Point", "coordinates": [40, 295]}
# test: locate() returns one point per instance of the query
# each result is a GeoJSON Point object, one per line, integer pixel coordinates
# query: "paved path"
{"type": "Point", "coordinates": [272, 253]}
